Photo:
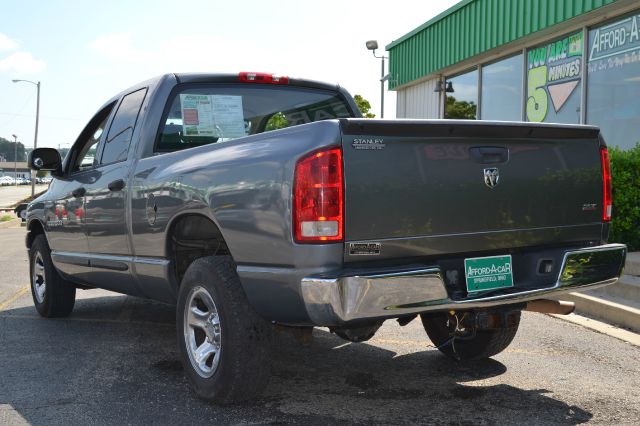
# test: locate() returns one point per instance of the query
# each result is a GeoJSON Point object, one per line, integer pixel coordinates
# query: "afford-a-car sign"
{"type": "Point", "coordinates": [487, 273]}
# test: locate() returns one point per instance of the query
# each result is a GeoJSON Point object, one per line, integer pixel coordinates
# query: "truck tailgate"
{"type": "Point", "coordinates": [428, 187]}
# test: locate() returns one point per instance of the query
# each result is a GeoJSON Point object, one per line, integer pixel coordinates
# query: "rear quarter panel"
{"type": "Point", "coordinates": [244, 187]}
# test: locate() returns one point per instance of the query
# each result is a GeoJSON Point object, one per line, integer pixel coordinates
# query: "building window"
{"type": "Point", "coordinates": [502, 90]}
{"type": "Point", "coordinates": [614, 81]}
{"type": "Point", "coordinates": [554, 81]}
{"type": "Point", "coordinates": [462, 96]}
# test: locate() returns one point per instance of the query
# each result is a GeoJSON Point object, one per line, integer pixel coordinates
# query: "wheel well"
{"type": "Point", "coordinates": [35, 228]}
{"type": "Point", "coordinates": [192, 237]}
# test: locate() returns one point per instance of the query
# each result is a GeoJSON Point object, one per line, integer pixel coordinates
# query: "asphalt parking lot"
{"type": "Point", "coordinates": [115, 360]}
{"type": "Point", "coordinates": [11, 194]}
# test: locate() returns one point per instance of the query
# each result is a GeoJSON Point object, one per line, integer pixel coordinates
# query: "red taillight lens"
{"type": "Point", "coordinates": [318, 201]}
{"type": "Point", "coordinates": [262, 77]}
{"type": "Point", "coordinates": [607, 199]}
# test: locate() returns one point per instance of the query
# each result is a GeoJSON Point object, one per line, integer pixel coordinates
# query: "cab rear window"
{"type": "Point", "coordinates": [209, 114]}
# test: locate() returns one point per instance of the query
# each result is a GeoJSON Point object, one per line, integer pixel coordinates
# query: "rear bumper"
{"type": "Point", "coordinates": [344, 298]}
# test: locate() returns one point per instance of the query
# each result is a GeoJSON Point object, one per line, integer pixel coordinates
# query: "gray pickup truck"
{"type": "Point", "coordinates": [255, 201]}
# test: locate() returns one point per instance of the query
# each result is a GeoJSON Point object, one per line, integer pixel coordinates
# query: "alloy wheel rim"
{"type": "Point", "coordinates": [202, 332]}
{"type": "Point", "coordinates": [38, 280]}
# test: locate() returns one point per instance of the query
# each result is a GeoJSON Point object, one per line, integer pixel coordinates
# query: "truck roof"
{"type": "Point", "coordinates": [233, 78]}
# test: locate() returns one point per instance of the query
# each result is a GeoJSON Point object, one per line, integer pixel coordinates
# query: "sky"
{"type": "Point", "coordinates": [85, 52]}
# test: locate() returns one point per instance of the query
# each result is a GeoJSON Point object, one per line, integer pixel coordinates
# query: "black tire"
{"type": "Point", "coordinates": [485, 343]}
{"type": "Point", "coordinates": [59, 295]}
{"type": "Point", "coordinates": [243, 366]}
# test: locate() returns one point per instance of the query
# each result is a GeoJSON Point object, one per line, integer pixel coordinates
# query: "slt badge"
{"type": "Point", "coordinates": [491, 177]}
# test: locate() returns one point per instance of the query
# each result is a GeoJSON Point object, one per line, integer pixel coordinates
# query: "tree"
{"type": "Point", "coordinates": [460, 109]}
{"type": "Point", "coordinates": [7, 150]}
{"type": "Point", "coordinates": [364, 106]}
{"type": "Point", "coordinates": [277, 121]}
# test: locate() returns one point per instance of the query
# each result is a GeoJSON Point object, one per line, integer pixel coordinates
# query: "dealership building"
{"type": "Point", "coordinates": [554, 61]}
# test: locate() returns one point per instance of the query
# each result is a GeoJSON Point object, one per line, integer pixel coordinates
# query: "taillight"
{"type": "Point", "coordinates": [318, 199]}
{"type": "Point", "coordinates": [262, 77]}
{"type": "Point", "coordinates": [607, 199]}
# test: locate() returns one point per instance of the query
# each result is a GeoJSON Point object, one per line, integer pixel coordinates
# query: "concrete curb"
{"type": "Point", "coordinates": [601, 327]}
{"type": "Point", "coordinates": [632, 266]}
{"type": "Point", "coordinates": [626, 289]}
{"type": "Point", "coordinates": [607, 310]}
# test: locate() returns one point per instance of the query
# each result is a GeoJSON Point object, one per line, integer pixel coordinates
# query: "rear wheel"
{"type": "Point", "coordinates": [52, 296]}
{"type": "Point", "coordinates": [459, 336]}
{"type": "Point", "coordinates": [224, 344]}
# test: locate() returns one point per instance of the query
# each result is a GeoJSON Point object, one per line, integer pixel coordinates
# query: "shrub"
{"type": "Point", "coordinates": [625, 174]}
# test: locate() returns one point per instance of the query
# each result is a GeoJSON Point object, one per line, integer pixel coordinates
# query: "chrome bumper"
{"type": "Point", "coordinates": [336, 300]}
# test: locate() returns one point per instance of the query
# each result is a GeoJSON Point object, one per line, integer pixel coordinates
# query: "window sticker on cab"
{"type": "Point", "coordinates": [219, 116]}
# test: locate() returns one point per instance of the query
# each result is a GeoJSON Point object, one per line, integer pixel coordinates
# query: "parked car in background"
{"type": "Point", "coordinates": [7, 180]}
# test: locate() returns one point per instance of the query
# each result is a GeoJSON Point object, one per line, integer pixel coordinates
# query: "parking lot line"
{"type": "Point", "coordinates": [18, 294]}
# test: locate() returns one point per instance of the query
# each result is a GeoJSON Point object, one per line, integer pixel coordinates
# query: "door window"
{"type": "Point", "coordinates": [121, 130]}
{"type": "Point", "coordinates": [83, 154]}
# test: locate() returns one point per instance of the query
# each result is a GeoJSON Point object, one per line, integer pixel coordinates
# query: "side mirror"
{"type": "Point", "coordinates": [47, 159]}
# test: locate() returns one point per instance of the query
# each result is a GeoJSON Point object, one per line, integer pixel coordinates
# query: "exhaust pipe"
{"type": "Point", "coordinates": [546, 306]}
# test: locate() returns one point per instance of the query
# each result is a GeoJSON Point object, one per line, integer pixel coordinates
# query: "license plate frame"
{"type": "Point", "coordinates": [488, 273]}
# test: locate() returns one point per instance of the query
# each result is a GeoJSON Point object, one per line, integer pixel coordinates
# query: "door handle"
{"type": "Point", "coordinates": [116, 185]}
{"type": "Point", "coordinates": [79, 192]}
{"type": "Point", "coordinates": [489, 154]}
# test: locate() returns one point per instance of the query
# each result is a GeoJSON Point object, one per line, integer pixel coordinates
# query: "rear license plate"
{"type": "Point", "coordinates": [488, 273]}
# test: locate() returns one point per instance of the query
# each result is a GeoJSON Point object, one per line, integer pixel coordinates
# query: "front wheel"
{"type": "Point", "coordinates": [458, 335]}
{"type": "Point", "coordinates": [224, 344]}
{"type": "Point", "coordinates": [53, 297]}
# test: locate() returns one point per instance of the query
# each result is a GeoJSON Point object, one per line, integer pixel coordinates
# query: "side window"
{"type": "Point", "coordinates": [121, 130]}
{"type": "Point", "coordinates": [83, 154]}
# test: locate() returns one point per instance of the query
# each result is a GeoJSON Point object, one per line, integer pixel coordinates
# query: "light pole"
{"type": "Point", "coordinates": [35, 138]}
{"type": "Point", "coordinates": [15, 159]}
{"type": "Point", "coordinates": [373, 45]}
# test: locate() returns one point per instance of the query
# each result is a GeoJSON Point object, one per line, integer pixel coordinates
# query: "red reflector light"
{"type": "Point", "coordinates": [607, 196]}
{"type": "Point", "coordinates": [318, 201]}
{"type": "Point", "coordinates": [262, 77]}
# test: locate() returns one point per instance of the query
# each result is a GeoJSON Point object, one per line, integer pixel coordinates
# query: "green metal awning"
{"type": "Point", "coordinates": [472, 27]}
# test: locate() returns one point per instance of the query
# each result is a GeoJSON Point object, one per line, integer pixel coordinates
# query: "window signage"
{"type": "Point", "coordinates": [614, 84]}
{"type": "Point", "coordinates": [615, 45]}
{"type": "Point", "coordinates": [553, 74]}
